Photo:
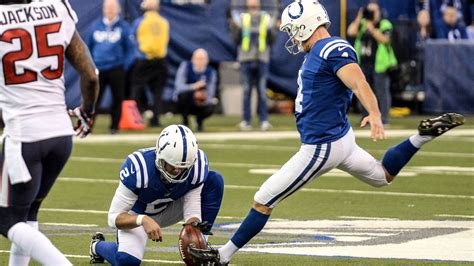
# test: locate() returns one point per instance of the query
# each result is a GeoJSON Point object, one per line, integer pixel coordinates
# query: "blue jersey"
{"type": "Point", "coordinates": [110, 45]}
{"type": "Point", "coordinates": [139, 174]}
{"type": "Point", "coordinates": [323, 100]}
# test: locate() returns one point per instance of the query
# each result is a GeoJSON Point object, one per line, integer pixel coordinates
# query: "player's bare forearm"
{"type": "Point", "coordinates": [126, 221]}
{"type": "Point", "coordinates": [364, 93]}
{"type": "Point", "coordinates": [368, 100]}
{"type": "Point", "coordinates": [80, 58]}
{"type": "Point", "coordinates": [351, 75]}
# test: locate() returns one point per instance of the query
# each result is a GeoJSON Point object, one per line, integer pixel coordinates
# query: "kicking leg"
{"type": "Point", "coordinates": [310, 162]}
{"type": "Point", "coordinates": [398, 156]}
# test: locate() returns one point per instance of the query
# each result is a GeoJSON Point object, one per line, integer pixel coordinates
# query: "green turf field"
{"type": "Point", "coordinates": [437, 185]}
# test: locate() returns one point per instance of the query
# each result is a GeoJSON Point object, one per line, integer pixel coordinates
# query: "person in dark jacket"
{"type": "Point", "coordinates": [195, 87]}
{"type": "Point", "coordinates": [112, 51]}
{"type": "Point", "coordinates": [451, 29]}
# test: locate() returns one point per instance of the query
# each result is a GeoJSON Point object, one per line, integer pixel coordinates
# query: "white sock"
{"type": "Point", "coordinates": [17, 256]}
{"type": "Point", "coordinates": [418, 140]}
{"type": "Point", "coordinates": [36, 245]}
{"type": "Point", "coordinates": [227, 251]}
{"type": "Point", "coordinates": [93, 248]}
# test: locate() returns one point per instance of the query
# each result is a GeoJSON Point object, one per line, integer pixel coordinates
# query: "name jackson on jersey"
{"type": "Point", "coordinates": [27, 14]}
{"type": "Point", "coordinates": [139, 174]}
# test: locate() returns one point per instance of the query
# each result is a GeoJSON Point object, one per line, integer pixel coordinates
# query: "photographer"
{"type": "Point", "coordinates": [376, 56]}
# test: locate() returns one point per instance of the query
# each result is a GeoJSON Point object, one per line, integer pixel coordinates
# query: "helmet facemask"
{"type": "Point", "coordinates": [292, 44]}
{"type": "Point", "coordinates": [170, 177]}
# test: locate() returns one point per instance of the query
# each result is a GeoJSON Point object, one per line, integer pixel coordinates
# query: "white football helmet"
{"type": "Point", "coordinates": [300, 20]}
{"type": "Point", "coordinates": [177, 146]}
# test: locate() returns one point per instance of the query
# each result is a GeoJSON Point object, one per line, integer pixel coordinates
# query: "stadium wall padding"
{"type": "Point", "coordinates": [449, 77]}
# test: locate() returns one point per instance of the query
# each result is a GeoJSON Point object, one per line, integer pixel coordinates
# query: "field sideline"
{"type": "Point", "coordinates": [426, 217]}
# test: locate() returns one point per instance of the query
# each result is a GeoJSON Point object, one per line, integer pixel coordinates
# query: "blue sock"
{"type": "Point", "coordinates": [107, 250]}
{"type": "Point", "coordinates": [251, 226]}
{"type": "Point", "coordinates": [398, 156]}
{"type": "Point", "coordinates": [125, 259]}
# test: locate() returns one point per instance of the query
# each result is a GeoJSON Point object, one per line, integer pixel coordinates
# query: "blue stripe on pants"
{"type": "Point", "coordinates": [301, 176]}
{"type": "Point", "coordinates": [326, 157]}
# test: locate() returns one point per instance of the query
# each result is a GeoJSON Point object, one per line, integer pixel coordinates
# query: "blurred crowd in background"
{"type": "Point", "coordinates": [132, 58]}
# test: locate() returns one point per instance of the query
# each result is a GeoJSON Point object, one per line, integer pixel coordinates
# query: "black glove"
{"type": "Point", "coordinates": [85, 121]}
{"type": "Point", "coordinates": [204, 227]}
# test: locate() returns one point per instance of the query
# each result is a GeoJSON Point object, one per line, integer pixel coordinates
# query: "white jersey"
{"type": "Point", "coordinates": [33, 41]}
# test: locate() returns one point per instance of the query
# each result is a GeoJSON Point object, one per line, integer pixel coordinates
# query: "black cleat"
{"type": "Point", "coordinates": [205, 256]}
{"type": "Point", "coordinates": [440, 125]}
{"type": "Point", "coordinates": [97, 237]}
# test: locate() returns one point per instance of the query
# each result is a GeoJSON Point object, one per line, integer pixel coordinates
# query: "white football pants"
{"type": "Point", "coordinates": [312, 161]}
{"type": "Point", "coordinates": [133, 241]}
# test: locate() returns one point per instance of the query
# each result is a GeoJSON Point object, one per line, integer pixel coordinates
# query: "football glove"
{"type": "Point", "coordinates": [204, 227]}
{"type": "Point", "coordinates": [85, 121]}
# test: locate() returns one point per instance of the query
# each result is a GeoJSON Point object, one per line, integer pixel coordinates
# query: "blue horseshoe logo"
{"type": "Point", "coordinates": [296, 16]}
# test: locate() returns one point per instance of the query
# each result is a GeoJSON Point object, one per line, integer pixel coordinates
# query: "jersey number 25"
{"type": "Point", "coordinates": [26, 51]}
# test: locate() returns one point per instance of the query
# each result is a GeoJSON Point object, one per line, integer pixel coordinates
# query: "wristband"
{"type": "Point", "coordinates": [140, 219]}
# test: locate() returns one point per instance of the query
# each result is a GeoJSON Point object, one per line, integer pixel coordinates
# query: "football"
{"type": "Point", "coordinates": [190, 236]}
{"type": "Point", "coordinates": [200, 97]}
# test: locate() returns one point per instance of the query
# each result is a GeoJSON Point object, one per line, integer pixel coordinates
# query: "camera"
{"type": "Point", "coordinates": [368, 14]}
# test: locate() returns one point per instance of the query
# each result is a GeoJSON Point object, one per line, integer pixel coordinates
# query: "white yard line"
{"type": "Point", "coordinates": [73, 211]}
{"type": "Point", "coordinates": [221, 164]}
{"type": "Point", "coordinates": [95, 159]}
{"type": "Point", "coordinates": [88, 257]}
{"type": "Point", "coordinates": [332, 173]}
{"type": "Point", "coordinates": [221, 136]}
{"type": "Point", "coordinates": [106, 212]}
{"type": "Point", "coordinates": [433, 154]}
{"type": "Point", "coordinates": [454, 138]}
{"type": "Point", "coordinates": [243, 165]}
{"type": "Point", "coordinates": [248, 147]}
{"type": "Point", "coordinates": [71, 225]}
{"type": "Point", "coordinates": [368, 218]}
{"type": "Point", "coordinates": [408, 171]}
{"type": "Point", "coordinates": [382, 193]}
{"type": "Point", "coordinates": [89, 180]}
{"type": "Point", "coordinates": [313, 190]}
{"type": "Point", "coordinates": [455, 216]}
{"type": "Point", "coordinates": [442, 168]}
